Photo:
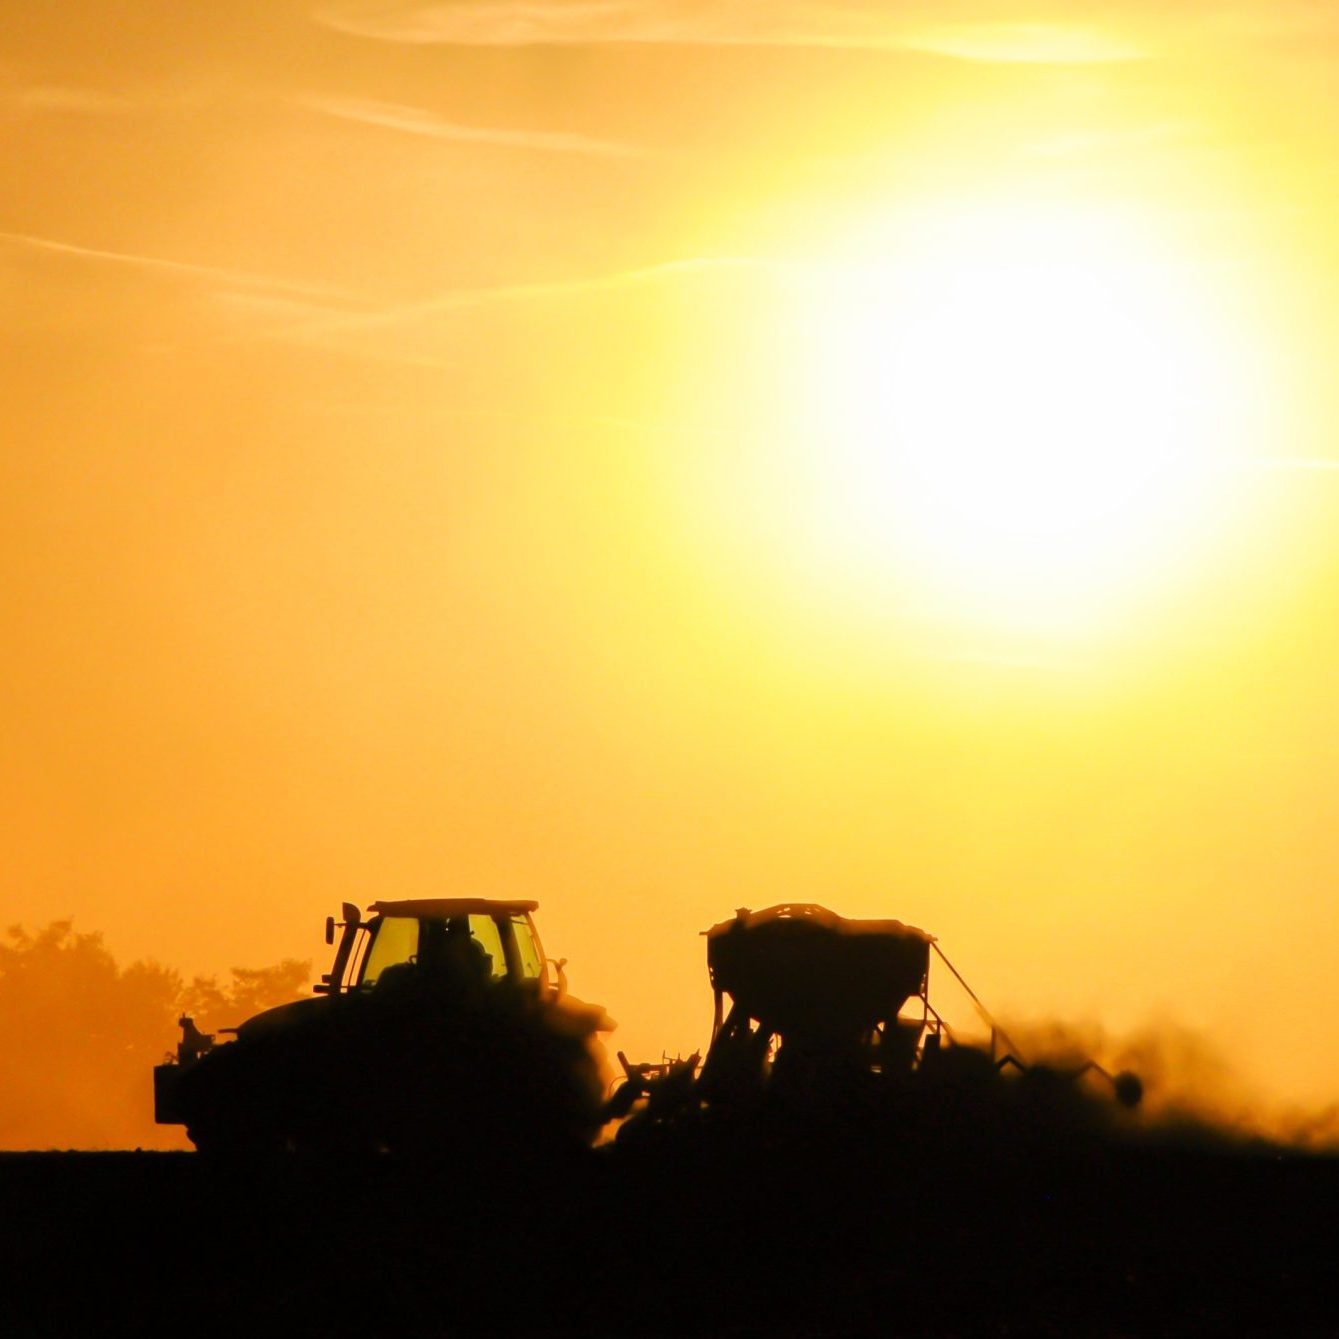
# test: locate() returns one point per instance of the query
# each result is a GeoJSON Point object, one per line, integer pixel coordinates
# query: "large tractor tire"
{"type": "Point", "coordinates": [499, 1071]}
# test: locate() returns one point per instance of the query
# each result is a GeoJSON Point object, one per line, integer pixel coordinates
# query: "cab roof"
{"type": "Point", "coordinates": [445, 908]}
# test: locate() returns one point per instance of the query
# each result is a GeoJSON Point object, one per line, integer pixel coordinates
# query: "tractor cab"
{"type": "Point", "coordinates": [491, 940]}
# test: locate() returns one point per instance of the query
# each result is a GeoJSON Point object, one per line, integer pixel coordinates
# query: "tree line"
{"type": "Point", "coordinates": [79, 1035]}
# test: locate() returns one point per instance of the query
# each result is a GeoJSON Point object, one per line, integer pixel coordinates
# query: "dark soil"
{"type": "Point", "coordinates": [729, 1228]}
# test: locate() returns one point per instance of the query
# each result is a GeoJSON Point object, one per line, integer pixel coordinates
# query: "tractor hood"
{"type": "Point", "coordinates": [282, 1017]}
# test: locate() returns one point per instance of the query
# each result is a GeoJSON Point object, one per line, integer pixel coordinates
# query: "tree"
{"type": "Point", "coordinates": [251, 989]}
{"type": "Point", "coordinates": [79, 1036]}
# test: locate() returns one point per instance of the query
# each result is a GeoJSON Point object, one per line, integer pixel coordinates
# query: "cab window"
{"type": "Point", "coordinates": [527, 948]}
{"type": "Point", "coordinates": [395, 941]}
{"type": "Point", "coordinates": [485, 932]}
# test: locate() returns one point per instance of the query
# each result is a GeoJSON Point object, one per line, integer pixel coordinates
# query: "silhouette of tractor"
{"type": "Point", "coordinates": [439, 1025]}
{"type": "Point", "coordinates": [820, 1006]}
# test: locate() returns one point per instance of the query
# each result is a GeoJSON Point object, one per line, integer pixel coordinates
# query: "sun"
{"type": "Point", "coordinates": [1024, 416]}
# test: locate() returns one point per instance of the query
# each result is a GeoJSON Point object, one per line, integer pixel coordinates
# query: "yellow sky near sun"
{"type": "Point", "coordinates": [415, 464]}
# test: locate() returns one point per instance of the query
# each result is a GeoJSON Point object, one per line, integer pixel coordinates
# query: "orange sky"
{"type": "Point", "coordinates": [401, 496]}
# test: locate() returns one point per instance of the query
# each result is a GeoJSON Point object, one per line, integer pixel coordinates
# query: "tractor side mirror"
{"type": "Point", "coordinates": [332, 982]}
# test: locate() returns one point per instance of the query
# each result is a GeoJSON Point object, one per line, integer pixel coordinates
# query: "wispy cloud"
{"type": "Point", "coordinates": [1021, 43]}
{"type": "Point", "coordinates": [417, 121]}
{"type": "Point", "coordinates": [221, 276]}
{"type": "Point", "coordinates": [532, 22]}
{"type": "Point", "coordinates": [799, 23]}
{"type": "Point", "coordinates": [272, 309]}
{"type": "Point", "coordinates": [250, 305]}
{"type": "Point", "coordinates": [335, 323]}
{"type": "Point", "coordinates": [61, 98]}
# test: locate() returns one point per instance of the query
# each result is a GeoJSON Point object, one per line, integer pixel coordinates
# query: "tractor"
{"type": "Point", "coordinates": [439, 1025]}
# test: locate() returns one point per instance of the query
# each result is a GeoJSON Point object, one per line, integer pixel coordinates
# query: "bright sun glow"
{"type": "Point", "coordinates": [1025, 415]}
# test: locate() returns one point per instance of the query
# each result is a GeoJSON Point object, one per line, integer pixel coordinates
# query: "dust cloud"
{"type": "Point", "coordinates": [1191, 1088]}
{"type": "Point", "coordinates": [80, 1034]}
